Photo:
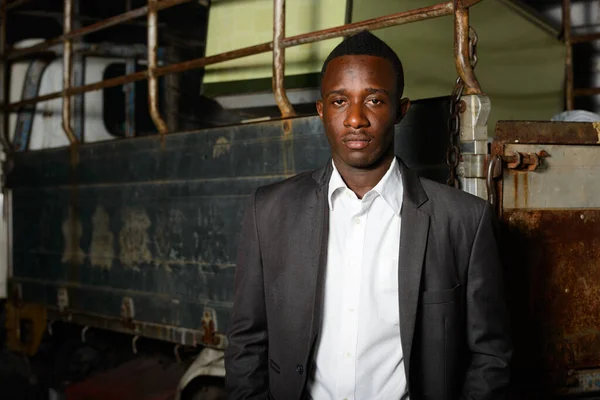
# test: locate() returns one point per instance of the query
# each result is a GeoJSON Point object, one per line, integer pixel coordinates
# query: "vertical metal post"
{"type": "Point", "coordinates": [152, 64]}
{"type": "Point", "coordinates": [130, 100]}
{"type": "Point", "coordinates": [462, 49]}
{"type": "Point", "coordinates": [67, 71]}
{"type": "Point", "coordinates": [79, 77]}
{"type": "Point", "coordinates": [4, 71]}
{"type": "Point", "coordinates": [279, 60]}
{"type": "Point", "coordinates": [567, 33]}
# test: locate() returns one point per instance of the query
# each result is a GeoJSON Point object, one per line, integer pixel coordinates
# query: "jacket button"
{"type": "Point", "coordinates": [299, 369]}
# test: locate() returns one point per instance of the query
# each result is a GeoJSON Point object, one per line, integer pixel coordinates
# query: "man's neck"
{"type": "Point", "coordinates": [360, 180]}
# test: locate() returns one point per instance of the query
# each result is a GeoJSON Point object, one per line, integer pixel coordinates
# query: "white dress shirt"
{"type": "Point", "coordinates": [359, 353]}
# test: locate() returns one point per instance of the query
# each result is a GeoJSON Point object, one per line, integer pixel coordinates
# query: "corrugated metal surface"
{"type": "Point", "coordinates": [140, 235]}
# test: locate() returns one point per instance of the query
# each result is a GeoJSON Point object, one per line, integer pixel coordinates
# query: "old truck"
{"type": "Point", "coordinates": [121, 235]}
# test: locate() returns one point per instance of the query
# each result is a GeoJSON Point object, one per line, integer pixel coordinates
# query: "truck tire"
{"type": "Point", "coordinates": [210, 393]}
{"type": "Point", "coordinates": [205, 388]}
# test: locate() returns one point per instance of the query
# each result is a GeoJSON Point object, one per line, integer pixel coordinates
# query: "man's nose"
{"type": "Point", "coordinates": [356, 117]}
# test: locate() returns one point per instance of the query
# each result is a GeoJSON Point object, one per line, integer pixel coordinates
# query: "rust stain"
{"type": "Point", "coordinates": [209, 328]}
{"type": "Point", "coordinates": [526, 190]}
{"type": "Point", "coordinates": [596, 126]}
{"type": "Point", "coordinates": [102, 249]}
{"type": "Point", "coordinates": [516, 188]}
{"type": "Point", "coordinates": [222, 147]}
{"type": "Point", "coordinates": [553, 282]}
{"type": "Point", "coordinates": [287, 149]}
{"type": "Point", "coordinates": [134, 238]}
{"type": "Point", "coordinates": [72, 231]}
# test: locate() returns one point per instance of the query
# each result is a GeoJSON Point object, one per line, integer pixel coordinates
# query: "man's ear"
{"type": "Point", "coordinates": [320, 108]}
{"type": "Point", "coordinates": [403, 106]}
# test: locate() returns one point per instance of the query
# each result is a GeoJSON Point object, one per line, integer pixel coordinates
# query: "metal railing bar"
{"type": "Point", "coordinates": [566, 16]}
{"type": "Point", "coordinates": [158, 120]}
{"type": "Point", "coordinates": [401, 18]}
{"type": "Point", "coordinates": [580, 92]}
{"type": "Point", "coordinates": [5, 94]}
{"type": "Point", "coordinates": [283, 103]}
{"type": "Point", "coordinates": [67, 73]}
{"type": "Point", "coordinates": [14, 4]}
{"type": "Point", "coordinates": [461, 49]}
{"type": "Point", "coordinates": [98, 26]}
{"type": "Point", "coordinates": [435, 11]}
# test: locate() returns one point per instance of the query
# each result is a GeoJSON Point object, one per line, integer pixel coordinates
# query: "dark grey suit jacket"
{"type": "Point", "coordinates": [453, 320]}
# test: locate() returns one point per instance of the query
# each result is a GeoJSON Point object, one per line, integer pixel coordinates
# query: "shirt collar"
{"type": "Point", "coordinates": [389, 187]}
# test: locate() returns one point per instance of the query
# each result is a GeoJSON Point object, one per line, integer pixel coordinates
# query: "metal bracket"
{"type": "Point", "coordinates": [62, 299]}
{"type": "Point", "coordinates": [83, 333]}
{"type": "Point", "coordinates": [134, 344]}
{"type": "Point", "coordinates": [127, 308]}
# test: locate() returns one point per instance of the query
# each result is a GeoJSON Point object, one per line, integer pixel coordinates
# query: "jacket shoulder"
{"type": "Point", "coordinates": [453, 202]}
{"type": "Point", "coordinates": [292, 187]}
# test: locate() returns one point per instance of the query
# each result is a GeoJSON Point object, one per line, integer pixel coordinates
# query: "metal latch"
{"type": "Point", "coordinates": [524, 161]}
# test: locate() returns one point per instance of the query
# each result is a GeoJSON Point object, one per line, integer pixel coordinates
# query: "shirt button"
{"type": "Point", "coordinates": [357, 221]}
{"type": "Point", "coordinates": [347, 355]}
{"type": "Point", "coordinates": [299, 369]}
{"type": "Point", "coordinates": [351, 309]}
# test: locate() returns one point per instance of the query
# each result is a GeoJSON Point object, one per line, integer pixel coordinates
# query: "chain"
{"type": "Point", "coordinates": [457, 107]}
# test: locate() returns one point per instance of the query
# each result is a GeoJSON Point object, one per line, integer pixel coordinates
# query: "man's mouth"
{"type": "Point", "coordinates": [356, 141]}
{"type": "Point", "coordinates": [357, 144]}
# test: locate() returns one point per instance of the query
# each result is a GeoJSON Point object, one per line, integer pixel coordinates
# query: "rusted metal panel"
{"type": "Point", "coordinates": [140, 236]}
{"type": "Point", "coordinates": [567, 178]}
{"type": "Point", "coordinates": [532, 132]}
{"type": "Point", "coordinates": [551, 247]}
{"type": "Point", "coordinates": [554, 286]}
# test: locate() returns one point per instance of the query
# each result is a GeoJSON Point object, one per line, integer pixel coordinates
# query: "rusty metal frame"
{"type": "Point", "coordinates": [568, 34]}
{"type": "Point", "coordinates": [98, 26]}
{"type": "Point", "coordinates": [285, 107]}
{"type": "Point", "coordinates": [5, 95]}
{"type": "Point", "coordinates": [67, 73]}
{"type": "Point", "coordinates": [158, 120]}
{"type": "Point", "coordinates": [458, 8]}
{"type": "Point", "coordinates": [551, 133]}
{"type": "Point", "coordinates": [461, 48]}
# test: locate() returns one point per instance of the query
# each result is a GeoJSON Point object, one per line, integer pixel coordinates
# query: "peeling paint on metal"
{"type": "Point", "coordinates": [222, 147]}
{"type": "Point", "coordinates": [596, 126]}
{"type": "Point", "coordinates": [102, 249]}
{"type": "Point", "coordinates": [72, 230]}
{"type": "Point", "coordinates": [168, 238]}
{"type": "Point", "coordinates": [134, 238]}
{"type": "Point", "coordinates": [210, 238]}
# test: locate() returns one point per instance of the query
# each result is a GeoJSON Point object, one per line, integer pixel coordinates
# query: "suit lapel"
{"type": "Point", "coordinates": [320, 230]}
{"type": "Point", "coordinates": [413, 242]}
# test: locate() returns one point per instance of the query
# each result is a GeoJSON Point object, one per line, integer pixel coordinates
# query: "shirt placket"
{"type": "Point", "coordinates": [350, 300]}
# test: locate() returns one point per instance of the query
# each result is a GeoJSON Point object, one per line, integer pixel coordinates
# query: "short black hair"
{"type": "Point", "coordinates": [367, 44]}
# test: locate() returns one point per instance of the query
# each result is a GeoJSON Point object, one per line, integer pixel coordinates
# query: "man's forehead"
{"type": "Point", "coordinates": [346, 66]}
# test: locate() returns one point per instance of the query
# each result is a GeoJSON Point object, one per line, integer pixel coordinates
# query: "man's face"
{"type": "Point", "coordinates": [359, 108]}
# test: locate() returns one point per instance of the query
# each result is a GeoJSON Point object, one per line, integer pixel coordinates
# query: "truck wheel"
{"type": "Point", "coordinates": [207, 388]}
{"type": "Point", "coordinates": [210, 393]}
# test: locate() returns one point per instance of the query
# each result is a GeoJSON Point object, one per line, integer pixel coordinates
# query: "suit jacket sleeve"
{"type": "Point", "coordinates": [246, 359]}
{"type": "Point", "coordinates": [487, 317]}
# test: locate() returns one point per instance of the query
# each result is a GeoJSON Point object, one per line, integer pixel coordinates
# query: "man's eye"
{"type": "Point", "coordinates": [375, 101]}
{"type": "Point", "coordinates": [338, 102]}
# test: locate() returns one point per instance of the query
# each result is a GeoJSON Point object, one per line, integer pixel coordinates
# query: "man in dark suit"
{"type": "Point", "coordinates": [361, 280]}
